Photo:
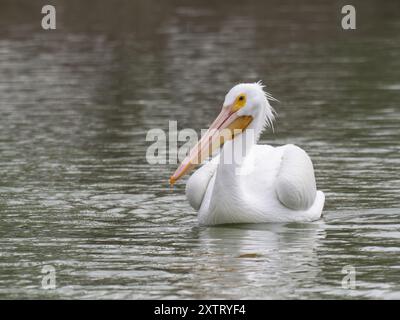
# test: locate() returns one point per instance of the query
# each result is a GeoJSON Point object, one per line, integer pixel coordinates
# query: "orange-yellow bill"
{"type": "Point", "coordinates": [225, 127]}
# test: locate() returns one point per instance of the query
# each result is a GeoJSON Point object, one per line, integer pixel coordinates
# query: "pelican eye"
{"type": "Point", "coordinates": [240, 102]}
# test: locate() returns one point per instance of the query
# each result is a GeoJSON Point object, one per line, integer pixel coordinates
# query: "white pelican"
{"type": "Point", "coordinates": [262, 183]}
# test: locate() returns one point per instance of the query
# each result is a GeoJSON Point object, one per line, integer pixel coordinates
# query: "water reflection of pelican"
{"type": "Point", "coordinates": [284, 256]}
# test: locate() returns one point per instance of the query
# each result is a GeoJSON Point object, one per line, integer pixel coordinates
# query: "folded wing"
{"type": "Point", "coordinates": [295, 183]}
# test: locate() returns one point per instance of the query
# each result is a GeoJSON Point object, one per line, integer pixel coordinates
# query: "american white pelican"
{"type": "Point", "coordinates": [246, 182]}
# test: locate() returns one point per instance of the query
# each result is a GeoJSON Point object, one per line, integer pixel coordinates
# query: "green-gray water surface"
{"type": "Point", "coordinates": [77, 193]}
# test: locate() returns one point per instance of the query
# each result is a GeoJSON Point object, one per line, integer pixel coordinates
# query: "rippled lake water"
{"type": "Point", "coordinates": [77, 193]}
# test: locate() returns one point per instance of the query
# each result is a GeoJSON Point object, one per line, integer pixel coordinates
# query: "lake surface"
{"type": "Point", "coordinates": [76, 191]}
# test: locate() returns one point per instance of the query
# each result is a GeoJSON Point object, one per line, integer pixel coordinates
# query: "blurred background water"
{"type": "Point", "coordinates": [77, 193]}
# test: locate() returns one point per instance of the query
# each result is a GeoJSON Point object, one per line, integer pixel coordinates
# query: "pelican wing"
{"type": "Point", "coordinates": [295, 183]}
{"type": "Point", "coordinates": [198, 182]}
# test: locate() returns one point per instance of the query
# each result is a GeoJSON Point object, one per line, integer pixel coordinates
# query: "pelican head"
{"type": "Point", "coordinates": [245, 107]}
{"type": "Point", "coordinates": [250, 100]}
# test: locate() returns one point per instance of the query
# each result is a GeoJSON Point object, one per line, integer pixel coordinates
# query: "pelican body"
{"type": "Point", "coordinates": [245, 182]}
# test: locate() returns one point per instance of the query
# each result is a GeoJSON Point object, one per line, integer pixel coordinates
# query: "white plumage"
{"type": "Point", "coordinates": [262, 183]}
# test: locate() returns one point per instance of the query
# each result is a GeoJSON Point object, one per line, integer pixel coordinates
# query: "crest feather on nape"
{"type": "Point", "coordinates": [271, 113]}
{"type": "Point", "coordinates": [266, 93]}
